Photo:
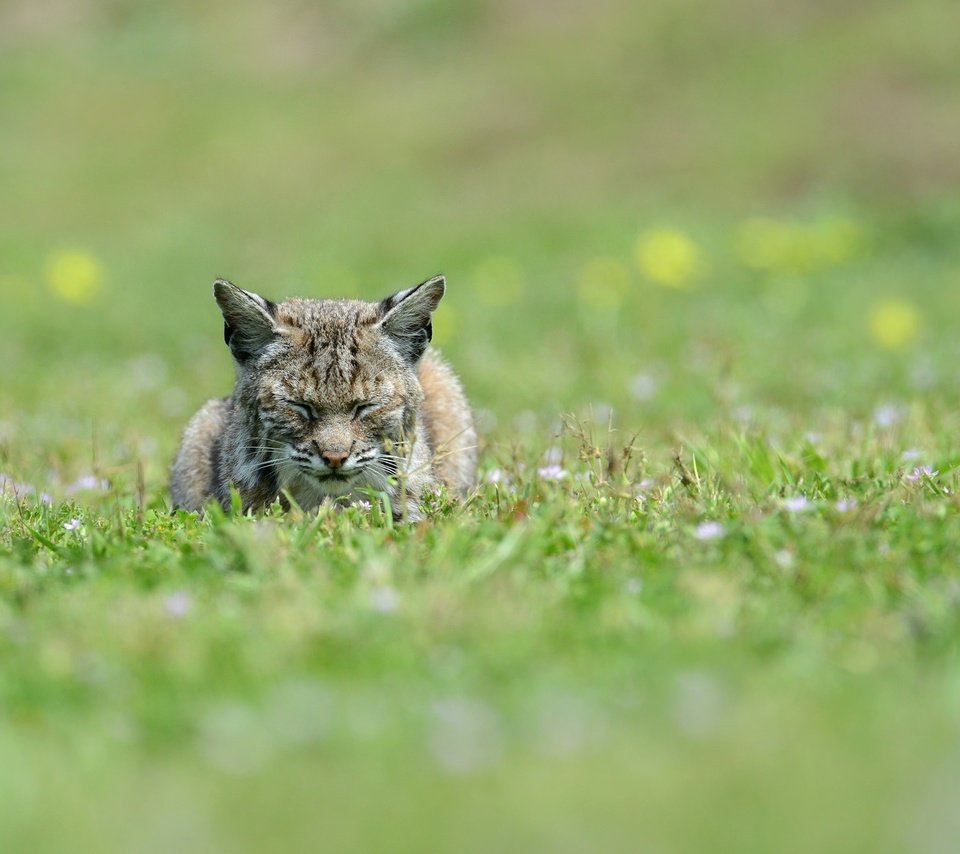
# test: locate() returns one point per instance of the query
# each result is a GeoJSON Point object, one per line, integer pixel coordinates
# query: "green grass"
{"type": "Point", "coordinates": [731, 624]}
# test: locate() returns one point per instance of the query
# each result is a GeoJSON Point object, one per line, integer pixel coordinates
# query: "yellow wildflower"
{"type": "Point", "coordinates": [668, 257]}
{"type": "Point", "coordinates": [73, 275]}
{"type": "Point", "coordinates": [785, 247]}
{"type": "Point", "coordinates": [894, 323]}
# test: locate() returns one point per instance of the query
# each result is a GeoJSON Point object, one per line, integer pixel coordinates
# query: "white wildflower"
{"type": "Point", "coordinates": [643, 387]}
{"type": "Point", "coordinates": [887, 415]}
{"type": "Point", "coordinates": [796, 504]}
{"type": "Point", "coordinates": [709, 531]}
{"type": "Point", "coordinates": [87, 483]}
{"type": "Point", "coordinates": [498, 476]}
{"type": "Point", "coordinates": [553, 455]}
{"type": "Point", "coordinates": [384, 599]}
{"type": "Point", "coordinates": [552, 472]}
{"type": "Point", "coordinates": [783, 558]}
{"type": "Point", "coordinates": [178, 605]}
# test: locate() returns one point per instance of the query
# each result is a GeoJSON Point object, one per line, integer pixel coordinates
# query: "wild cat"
{"type": "Point", "coordinates": [333, 398]}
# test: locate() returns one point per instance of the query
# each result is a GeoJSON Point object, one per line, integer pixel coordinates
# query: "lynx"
{"type": "Point", "coordinates": [335, 400]}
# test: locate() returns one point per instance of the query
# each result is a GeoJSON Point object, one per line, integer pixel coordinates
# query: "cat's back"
{"type": "Point", "coordinates": [194, 476]}
{"type": "Point", "coordinates": [449, 424]}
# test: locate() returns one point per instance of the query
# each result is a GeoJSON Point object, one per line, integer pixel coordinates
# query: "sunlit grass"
{"type": "Point", "coordinates": [593, 602]}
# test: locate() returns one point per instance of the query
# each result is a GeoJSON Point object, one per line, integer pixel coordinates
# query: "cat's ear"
{"type": "Point", "coordinates": [249, 320]}
{"type": "Point", "coordinates": [407, 316]}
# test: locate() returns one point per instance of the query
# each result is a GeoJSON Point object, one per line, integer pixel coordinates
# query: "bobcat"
{"type": "Point", "coordinates": [333, 398]}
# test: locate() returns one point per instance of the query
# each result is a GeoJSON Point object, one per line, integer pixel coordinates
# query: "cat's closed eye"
{"type": "Point", "coordinates": [363, 408]}
{"type": "Point", "coordinates": [305, 410]}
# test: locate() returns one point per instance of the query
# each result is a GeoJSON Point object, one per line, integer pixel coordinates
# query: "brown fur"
{"type": "Point", "coordinates": [334, 398]}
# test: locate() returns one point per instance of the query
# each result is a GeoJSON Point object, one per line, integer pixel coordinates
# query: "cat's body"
{"type": "Point", "coordinates": [334, 398]}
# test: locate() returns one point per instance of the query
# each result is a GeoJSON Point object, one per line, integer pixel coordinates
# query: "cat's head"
{"type": "Point", "coordinates": [329, 389]}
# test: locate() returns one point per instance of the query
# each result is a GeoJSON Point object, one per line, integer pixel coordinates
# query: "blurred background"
{"type": "Point", "coordinates": [730, 228]}
{"type": "Point", "coordinates": [665, 209]}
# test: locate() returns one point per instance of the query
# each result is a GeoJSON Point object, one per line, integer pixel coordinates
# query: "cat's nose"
{"type": "Point", "coordinates": [335, 459]}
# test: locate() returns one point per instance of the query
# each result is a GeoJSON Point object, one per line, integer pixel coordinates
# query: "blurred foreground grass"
{"type": "Point", "coordinates": [730, 233]}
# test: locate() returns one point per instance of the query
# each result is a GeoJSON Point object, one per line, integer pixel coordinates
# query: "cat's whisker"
{"type": "Point", "coordinates": [260, 468]}
{"type": "Point", "coordinates": [255, 448]}
{"type": "Point", "coordinates": [384, 469]}
{"type": "Point", "coordinates": [270, 444]}
{"type": "Point", "coordinates": [394, 459]}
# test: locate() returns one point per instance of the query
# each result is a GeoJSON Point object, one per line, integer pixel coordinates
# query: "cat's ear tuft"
{"type": "Point", "coordinates": [249, 320]}
{"type": "Point", "coordinates": [406, 316]}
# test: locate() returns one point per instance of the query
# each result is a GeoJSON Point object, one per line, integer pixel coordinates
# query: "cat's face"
{"type": "Point", "coordinates": [330, 387]}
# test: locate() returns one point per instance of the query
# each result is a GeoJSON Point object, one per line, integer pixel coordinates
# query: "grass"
{"type": "Point", "coordinates": [706, 593]}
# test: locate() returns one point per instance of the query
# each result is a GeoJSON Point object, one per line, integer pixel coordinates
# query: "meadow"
{"type": "Point", "coordinates": [703, 286]}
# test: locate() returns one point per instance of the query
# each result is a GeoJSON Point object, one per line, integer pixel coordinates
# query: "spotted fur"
{"type": "Point", "coordinates": [334, 398]}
